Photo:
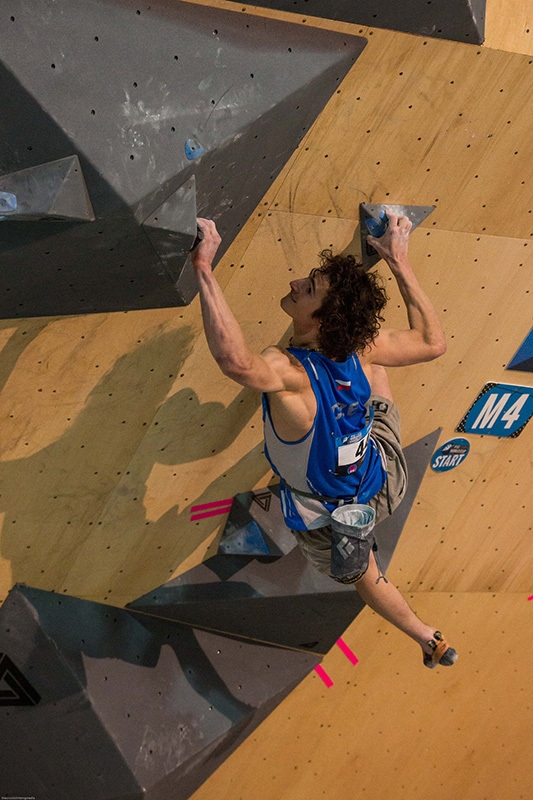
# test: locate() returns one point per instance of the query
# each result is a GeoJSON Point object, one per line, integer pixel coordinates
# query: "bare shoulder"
{"type": "Point", "coordinates": [278, 355]}
{"type": "Point", "coordinates": [287, 366]}
{"type": "Point", "coordinates": [275, 354]}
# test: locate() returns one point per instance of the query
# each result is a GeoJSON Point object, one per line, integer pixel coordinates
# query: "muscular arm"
{"type": "Point", "coordinates": [271, 371]}
{"type": "Point", "coordinates": [425, 339]}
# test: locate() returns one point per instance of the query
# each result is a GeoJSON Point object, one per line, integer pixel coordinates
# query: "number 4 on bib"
{"type": "Point", "coordinates": [500, 409]}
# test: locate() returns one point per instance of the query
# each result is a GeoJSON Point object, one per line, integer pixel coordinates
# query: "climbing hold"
{"type": "Point", "coordinates": [193, 149]}
{"type": "Point", "coordinates": [376, 218]}
{"type": "Point", "coordinates": [199, 237]}
{"type": "Point", "coordinates": [8, 202]}
{"type": "Point", "coordinates": [375, 228]}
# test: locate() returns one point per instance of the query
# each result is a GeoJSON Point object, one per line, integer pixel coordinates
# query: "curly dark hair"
{"type": "Point", "coordinates": [350, 315]}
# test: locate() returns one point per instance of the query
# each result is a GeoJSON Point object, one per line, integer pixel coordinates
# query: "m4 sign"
{"type": "Point", "coordinates": [500, 409]}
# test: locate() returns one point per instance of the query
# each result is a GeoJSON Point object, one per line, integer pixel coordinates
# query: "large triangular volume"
{"type": "Point", "coordinates": [285, 601]}
{"type": "Point", "coordinates": [417, 456]}
{"type": "Point", "coordinates": [132, 706]}
{"type": "Point", "coordinates": [172, 227]}
{"type": "Point", "coordinates": [170, 91]}
{"type": "Point", "coordinates": [375, 214]}
{"type": "Point", "coordinates": [55, 190]}
{"type": "Point", "coordinates": [255, 525]}
{"type": "Point", "coordinates": [459, 20]}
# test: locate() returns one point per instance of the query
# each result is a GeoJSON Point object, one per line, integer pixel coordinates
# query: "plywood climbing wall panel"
{"type": "Point", "coordinates": [389, 727]}
{"type": "Point", "coordinates": [421, 131]}
{"type": "Point", "coordinates": [134, 426]}
{"type": "Point", "coordinates": [509, 26]}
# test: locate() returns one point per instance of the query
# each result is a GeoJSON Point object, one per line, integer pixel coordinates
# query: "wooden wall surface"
{"type": "Point", "coordinates": [114, 425]}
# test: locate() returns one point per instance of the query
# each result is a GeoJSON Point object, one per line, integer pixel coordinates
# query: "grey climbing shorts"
{"type": "Point", "coordinates": [316, 544]}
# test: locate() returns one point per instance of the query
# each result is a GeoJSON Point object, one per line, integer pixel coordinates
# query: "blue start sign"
{"type": "Point", "coordinates": [450, 455]}
{"type": "Point", "coordinates": [500, 409]}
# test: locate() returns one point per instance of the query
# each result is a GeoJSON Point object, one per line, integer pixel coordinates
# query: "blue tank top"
{"type": "Point", "coordinates": [338, 459]}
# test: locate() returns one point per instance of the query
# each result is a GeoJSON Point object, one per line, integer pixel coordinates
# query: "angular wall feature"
{"type": "Point", "coordinates": [460, 20]}
{"type": "Point", "coordinates": [256, 526]}
{"type": "Point", "coordinates": [20, 692]}
{"type": "Point", "coordinates": [147, 98]}
{"type": "Point", "coordinates": [522, 361]}
{"type": "Point", "coordinates": [55, 190]}
{"type": "Point", "coordinates": [418, 456]}
{"type": "Point", "coordinates": [284, 601]}
{"type": "Point", "coordinates": [377, 213]}
{"type": "Point", "coordinates": [172, 227]}
{"type": "Point", "coordinates": [129, 706]}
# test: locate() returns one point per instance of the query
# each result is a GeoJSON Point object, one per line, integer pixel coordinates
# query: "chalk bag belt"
{"type": "Point", "coordinates": [322, 497]}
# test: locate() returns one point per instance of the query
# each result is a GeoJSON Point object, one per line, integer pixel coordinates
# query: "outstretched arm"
{"type": "Point", "coordinates": [425, 339]}
{"type": "Point", "coordinates": [269, 372]}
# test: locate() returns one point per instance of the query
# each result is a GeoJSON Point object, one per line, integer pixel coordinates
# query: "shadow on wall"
{"type": "Point", "coordinates": [167, 542]}
{"type": "Point", "coordinates": [53, 501]}
{"type": "Point", "coordinates": [15, 345]}
{"type": "Point", "coordinates": [154, 549]}
{"type": "Point", "coordinates": [160, 546]}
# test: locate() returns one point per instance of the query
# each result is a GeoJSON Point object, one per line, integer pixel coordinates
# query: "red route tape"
{"type": "Point", "coordinates": [347, 652]}
{"type": "Point", "coordinates": [229, 501]}
{"type": "Point", "coordinates": [321, 672]}
{"type": "Point", "coordinates": [223, 510]}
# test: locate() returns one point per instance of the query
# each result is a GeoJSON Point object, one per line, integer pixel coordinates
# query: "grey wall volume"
{"type": "Point", "coordinates": [460, 20]}
{"type": "Point", "coordinates": [147, 702]}
{"type": "Point", "coordinates": [281, 600]}
{"type": "Point", "coordinates": [149, 99]}
{"type": "Point", "coordinates": [120, 704]}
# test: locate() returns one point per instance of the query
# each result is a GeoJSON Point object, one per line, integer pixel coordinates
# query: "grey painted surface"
{"type": "Point", "coordinates": [54, 190]}
{"type": "Point", "coordinates": [460, 20]}
{"type": "Point", "coordinates": [256, 519]}
{"type": "Point", "coordinates": [148, 99]}
{"type": "Point", "coordinates": [126, 704]}
{"type": "Point", "coordinates": [131, 706]}
{"type": "Point", "coordinates": [283, 600]}
{"type": "Point", "coordinates": [418, 457]}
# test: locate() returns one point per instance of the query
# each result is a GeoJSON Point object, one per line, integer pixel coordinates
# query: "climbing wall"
{"type": "Point", "coordinates": [172, 111]}
{"type": "Point", "coordinates": [120, 435]}
{"type": "Point", "coordinates": [462, 20]}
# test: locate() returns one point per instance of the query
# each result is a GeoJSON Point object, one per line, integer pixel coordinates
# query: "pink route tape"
{"type": "Point", "coordinates": [321, 672]}
{"type": "Point", "coordinates": [347, 652]}
{"type": "Point", "coordinates": [530, 598]}
{"type": "Point", "coordinates": [219, 507]}
{"type": "Point", "coordinates": [210, 513]}
{"type": "Point", "coordinates": [216, 503]}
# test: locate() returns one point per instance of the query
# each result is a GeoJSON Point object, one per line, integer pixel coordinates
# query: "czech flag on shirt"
{"type": "Point", "coordinates": [343, 385]}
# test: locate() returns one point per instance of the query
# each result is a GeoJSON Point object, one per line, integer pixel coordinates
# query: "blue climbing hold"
{"type": "Point", "coordinates": [193, 149]}
{"type": "Point", "coordinates": [375, 228]}
{"type": "Point", "coordinates": [8, 202]}
{"type": "Point", "coordinates": [247, 540]}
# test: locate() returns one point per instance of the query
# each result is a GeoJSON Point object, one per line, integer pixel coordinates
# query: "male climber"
{"type": "Point", "coordinates": [328, 391]}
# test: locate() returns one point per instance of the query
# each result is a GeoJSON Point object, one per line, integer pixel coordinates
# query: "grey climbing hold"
{"type": "Point", "coordinates": [373, 213]}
